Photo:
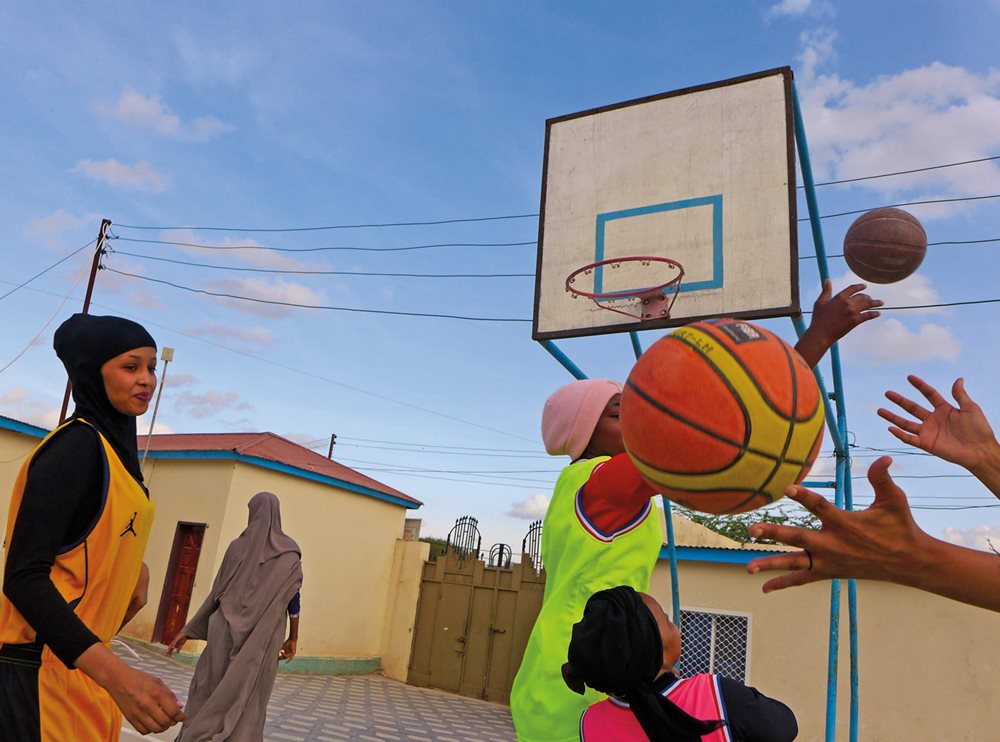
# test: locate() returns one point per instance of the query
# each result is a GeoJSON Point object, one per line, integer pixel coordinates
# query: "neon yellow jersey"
{"type": "Point", "coordinates": [579, 560]}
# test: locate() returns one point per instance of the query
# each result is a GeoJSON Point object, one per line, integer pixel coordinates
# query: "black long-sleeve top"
{"type": "Point", "coordinates": [753, 717]}
{"type": "Point", "coordinates": [61, 503]}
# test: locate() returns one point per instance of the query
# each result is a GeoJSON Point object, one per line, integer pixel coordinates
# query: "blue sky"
{"type": "Point", "coordinates": [321, 114]}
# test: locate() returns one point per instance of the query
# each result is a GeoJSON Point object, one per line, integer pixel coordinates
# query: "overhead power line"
{"type": "Point", "coordinates": [375, 225]}
{"type": "Point", "coordinates": [436, 315]}
{"type": "Point", "coordinates": [296, 305]}
{"type": "Point", "coordinates": [301, 371]}
{"type": "Point", "coordinates": [42, 273]}
{"type": "Point", "coordinates": [907, 203]}
{"type": "Point", "coordinates": [279, 271]}
{"type": "Point", "coordinates": [904, 172]}
{"type": "Point", "coordinates": [203, 246]}
{"type": "Point", "coordinates": [380, 225]}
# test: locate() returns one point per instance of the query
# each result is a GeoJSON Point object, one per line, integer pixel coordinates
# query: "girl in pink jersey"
{"type": "Point", "coordinates": [627, 647]}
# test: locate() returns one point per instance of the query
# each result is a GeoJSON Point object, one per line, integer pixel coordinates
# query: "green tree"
{"type": "Point", "coordinates": [438, 546]}
{"type": "Point", "coordinates": [737, 527]}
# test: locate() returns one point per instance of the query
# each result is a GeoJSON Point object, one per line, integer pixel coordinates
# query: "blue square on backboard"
{"type": "Point", "coordinates": [717, 279]}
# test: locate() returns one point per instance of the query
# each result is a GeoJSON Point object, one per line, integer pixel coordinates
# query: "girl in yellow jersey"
{"type": "Point", "coordinates": [601, 530]}
{"type": "Point", "coordinates": [76, 533]}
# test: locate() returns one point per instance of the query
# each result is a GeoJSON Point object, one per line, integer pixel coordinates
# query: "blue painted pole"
{"type": "Point", "coordinates": [563, 359]}
{"type": "Point", "coordinates": [828, 403]}
{"type": "Point", "coordinates": [675, 591]}
{"type": "Point", "coordinates": [852, 609]}
{"type": "Point", "coordinates": [636, 346]}
{"type": "Point", "coordinates": [843, 461]}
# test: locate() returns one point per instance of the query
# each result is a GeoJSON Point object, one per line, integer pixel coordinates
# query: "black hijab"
{"type": "Point", "coordinates": [84, 343]}
{"type": "Point", "coordinates": [617, 649]}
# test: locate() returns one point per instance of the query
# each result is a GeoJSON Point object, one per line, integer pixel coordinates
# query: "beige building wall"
{"type": "Point", "coordinates": [190, 491]}
{"type": "Point", "coordinates": [401, 608]}
{"type": "Point", "coordinates": [348, 544]}
{"type": "Point", "coordinates": [14, 449]}
{"type": "Point", "coordinates": [361, 579]}
{"type": "Point", "coordinates": [926, 664]}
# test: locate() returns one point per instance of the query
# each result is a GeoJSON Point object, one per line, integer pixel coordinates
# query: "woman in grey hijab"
{"type": "Point", "coordinates": [243, 621]}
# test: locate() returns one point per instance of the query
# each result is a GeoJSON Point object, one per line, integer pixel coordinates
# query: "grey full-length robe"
{"type": "Point", "coordinates": [243, 620]}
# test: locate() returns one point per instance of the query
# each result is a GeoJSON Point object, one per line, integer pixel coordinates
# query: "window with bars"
{"type": "Point", "coordinates": [715, 642]}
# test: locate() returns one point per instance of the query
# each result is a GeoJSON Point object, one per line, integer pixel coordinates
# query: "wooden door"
{"type": "Point", "coordinates": [179, 581]}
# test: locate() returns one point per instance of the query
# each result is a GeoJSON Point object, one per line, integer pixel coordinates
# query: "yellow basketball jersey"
{"type": "Point", "coordinates": [96, 575]}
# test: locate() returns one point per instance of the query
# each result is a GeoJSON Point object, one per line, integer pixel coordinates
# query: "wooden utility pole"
{"type": "Point", "coordinates": [333, 439]}
{"type": "Point", "coordinates": [98, 252]}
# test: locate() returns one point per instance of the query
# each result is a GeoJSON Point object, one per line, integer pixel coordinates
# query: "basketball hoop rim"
{"type": "Point", "coordinates": [643, 292]}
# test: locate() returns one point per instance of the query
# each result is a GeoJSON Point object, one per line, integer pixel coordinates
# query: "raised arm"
{"type": "Point", "coordinates": [880, 543]}
{"type": "Point", "coordinates": [961, 435]}
{"type": "Point", "coordinates": [833, 317]}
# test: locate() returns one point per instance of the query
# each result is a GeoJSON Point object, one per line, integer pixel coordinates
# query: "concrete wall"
{"type": "Point", "coordinates": [348, 546]}
{"type": "Point", "coordinates": [926, 663]}
{"type": "Point", "coordinates": [361, 580]}
{"type": "Point", "coordinates": [401, 608]}
{"type": "Point", "coordinates": [194, 492]}
{"type": "Point", "coordinates": [14, 449]}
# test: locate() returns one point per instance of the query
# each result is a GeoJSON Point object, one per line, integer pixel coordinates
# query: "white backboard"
{"type": "Point", "coordinates": [704, 176]}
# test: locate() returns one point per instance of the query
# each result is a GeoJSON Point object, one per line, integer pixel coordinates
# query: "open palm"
{"type": "Point", "coordinates": [961, 434]}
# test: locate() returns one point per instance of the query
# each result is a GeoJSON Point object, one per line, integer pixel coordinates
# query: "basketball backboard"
{"type": "Point", "coordinates": [704, 176]}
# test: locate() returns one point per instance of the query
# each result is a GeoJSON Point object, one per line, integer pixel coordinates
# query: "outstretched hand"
{"type": "Point", "coordinates": [834, 316]}
{"type": "Point", "coordinates": [880, 543]}
{"type": "Point", "coordinates": [961, 435]}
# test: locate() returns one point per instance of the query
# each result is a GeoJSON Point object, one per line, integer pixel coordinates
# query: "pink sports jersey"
{"type": "Point", "coordinates": [611, 720]}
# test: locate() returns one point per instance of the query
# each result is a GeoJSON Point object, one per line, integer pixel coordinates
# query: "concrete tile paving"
{"type": "Point", "coordinates": [348, 708]}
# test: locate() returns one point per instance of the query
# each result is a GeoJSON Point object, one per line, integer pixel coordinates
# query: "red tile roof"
{"type": "Point", "coordinates": [272, 448]}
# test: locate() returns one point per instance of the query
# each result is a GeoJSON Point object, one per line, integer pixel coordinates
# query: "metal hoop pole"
{"type": "Point", "coordinates": [843, 461]}
{"type": "Point", "coordinates": [668, 517]}
{"type": "Point", "coordinates": [563, 359]}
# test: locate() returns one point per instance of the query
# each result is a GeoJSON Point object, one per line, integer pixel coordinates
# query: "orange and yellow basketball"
{"type": "Point", "coordinates": [721, 416]}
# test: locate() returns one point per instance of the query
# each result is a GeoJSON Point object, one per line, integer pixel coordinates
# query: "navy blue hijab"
{"type": "Point", "coordinates": [84, 343]}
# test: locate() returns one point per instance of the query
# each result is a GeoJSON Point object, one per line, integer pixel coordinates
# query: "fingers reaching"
{"type": "Point", "coordinates": [931, 394]}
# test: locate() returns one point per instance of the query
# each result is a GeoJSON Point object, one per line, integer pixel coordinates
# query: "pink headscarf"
{"type": "Point", "coordinates": [571, 415]}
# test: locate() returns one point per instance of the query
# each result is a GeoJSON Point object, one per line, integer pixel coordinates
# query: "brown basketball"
{"type": "Point", "coordinates": [885, 245]}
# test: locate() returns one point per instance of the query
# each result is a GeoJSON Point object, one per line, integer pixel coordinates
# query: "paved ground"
{"type": "Point", "coordinates": [366, 708]}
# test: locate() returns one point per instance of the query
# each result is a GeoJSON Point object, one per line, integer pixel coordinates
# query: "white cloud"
{"type": "Point", "coordinates": [60, 221]}
{"type": "Point", "coordinates": [531, 509]}
{"type": "Point", "coordinates": [255, 254]}
{"type": "Point", "coordinates": [883, 126]}
{"type": "Point", "coordinates": [985, 538]}
{"type": "Point", "coordinates": [177, 380]}
{"type": "Point", "coordinates": [824, 467]}
{"type": "Point", "coordinates": [797, 9]}
{"type": "Point", "coordinates": [138, 177]}
{"type": "Point", "coordinates": [209, 404]}
{"type": "Point", "coordinates": [276, 291]}
{"type": "Point", "coordinates": [257, 335]}
{"type": "Point", "coordinates": [901, 337]}
{"type": "Point", "coordinates": [149, 112]}
{"type": "Point", "coordinates": [159, 428]}
{"type": "Point", "coordinates": [50, 229]}
{"type": "Point", "coordinates": [888, 340]}
{"type": "Point", "coordinates": [307, 440]}
{"type": "Point", "coordinates": [816, 50]}
{"type": "Point", "coordinates": [17, 404]}
{"type": "Point", "coordinates": [915, 290]}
